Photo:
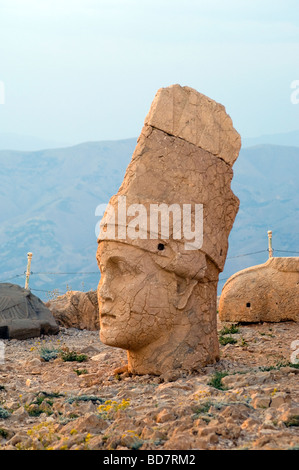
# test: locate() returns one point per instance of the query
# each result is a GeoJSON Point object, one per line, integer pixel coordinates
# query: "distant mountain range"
{"type": "Point", "coordinates": [10, 141]}
{"type": "Point", "coordinates": [48, 200]}
{"type": "Point", "coordinates": [290, 139]}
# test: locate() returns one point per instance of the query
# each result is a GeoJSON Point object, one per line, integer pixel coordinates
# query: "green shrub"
{"type": "Point", "coordinates": [73, 356]}
{"type": "Point", "coordinates": [92, 398]}
{"type": "Point", "coordinates": [50, 394]}
{"type": "Point", "coordinates": [266, 368]}
{"type": "Point", "coordinates": [47, 354]}
{"type": "Point", "coordinates": [216, 380]}
{"type": "Point", "coordinates": [33, 410]}
{"type": "Point", "coordinates": [42, 403]}
{"type": "Point", "coordinates": [295, 366]}
{"type": "Point", "coordinates": [3, 433]}
{"type": "Point", "coordinates": [203, 408]}
{"type": "Point", "coordinates": [293, 421]}
{"type": "Point", "coordinates": [4, 414]}
{"type": "Point", "coordinates": [231, 330]}
{"type": "Point", "coordinates": [81, 371]}
{"type": "Point", "coordinates": [243, 342]}
{"type": "Point", "coordinates": [227, 340]}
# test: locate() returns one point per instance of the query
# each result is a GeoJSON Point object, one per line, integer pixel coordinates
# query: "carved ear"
{"type": "Point", "coordinates": [185, 293]}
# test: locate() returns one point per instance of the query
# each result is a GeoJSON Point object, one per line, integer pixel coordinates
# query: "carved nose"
{"type": "Point", "coordinates": [105, 292]}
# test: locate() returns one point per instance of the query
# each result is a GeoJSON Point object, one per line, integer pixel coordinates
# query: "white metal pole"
{"type": "Point", "coordinates": [29, 258]}
{"type": "Point", "coordinates": [270, 243]}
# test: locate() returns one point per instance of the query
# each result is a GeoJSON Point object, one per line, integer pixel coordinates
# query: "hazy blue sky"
{"type": "Point", "coordinates": [78, 70]}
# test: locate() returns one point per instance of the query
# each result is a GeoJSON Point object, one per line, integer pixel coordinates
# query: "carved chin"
{"type": "Point", "coordinates": [129, 339]}
{"type": "Point", "coordinates": [114, 337]}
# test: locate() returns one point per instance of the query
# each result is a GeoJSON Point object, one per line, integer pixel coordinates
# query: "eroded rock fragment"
{"type": "Point", "coordinates": [266, 292]}
{"type": "Point", "coordinates": [76, 309]}
{"type": "Point", "coordinates": [23, 315]}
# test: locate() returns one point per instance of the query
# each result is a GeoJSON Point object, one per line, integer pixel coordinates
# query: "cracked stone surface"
{"type": "Point", "coordinates": [23, 315]}
{"type": "Point", "coordinates": [160, 303]}
{"type": "Point", "coordinates": [266, 292]}
{"type": "Point", "coordinates": [76, 309]}
{"type": "Point", "coordinates": [192, 116]}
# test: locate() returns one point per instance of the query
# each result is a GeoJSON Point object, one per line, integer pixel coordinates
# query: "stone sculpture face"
{"type": "Point", "coordinates": [150, 311]}
{"type": "Point", "coordinates": [136, 297]}
{"type": "Point", "coordinates": [161, 305]}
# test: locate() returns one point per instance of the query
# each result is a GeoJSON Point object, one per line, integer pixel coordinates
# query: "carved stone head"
{"type": "Point", "coordinates": [158, 288]}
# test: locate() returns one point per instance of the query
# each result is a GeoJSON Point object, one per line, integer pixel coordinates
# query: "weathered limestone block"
{"type": "Point", "coordinates": [266, 292]}
{"type": "Point", "coordinates": [76, 309]}
{"type": "Point", "coordinates": [158, 290]}
{"type": "Point", "coordinates": [23, 315]}
{"type": "Point", "coordinates": [185, 113]}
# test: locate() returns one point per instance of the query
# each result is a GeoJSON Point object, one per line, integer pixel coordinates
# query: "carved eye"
{"type": "Point", "coordinates": [161, 246]}
{"type": "Point", "coordinates": [123, 267]}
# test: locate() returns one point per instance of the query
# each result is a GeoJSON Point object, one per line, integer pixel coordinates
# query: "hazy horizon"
{"type": "Point", "coordinates": [87, 70]}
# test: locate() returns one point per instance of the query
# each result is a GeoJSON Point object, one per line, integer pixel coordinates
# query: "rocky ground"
{"type": "Point", "coordinates": [248, 400]}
